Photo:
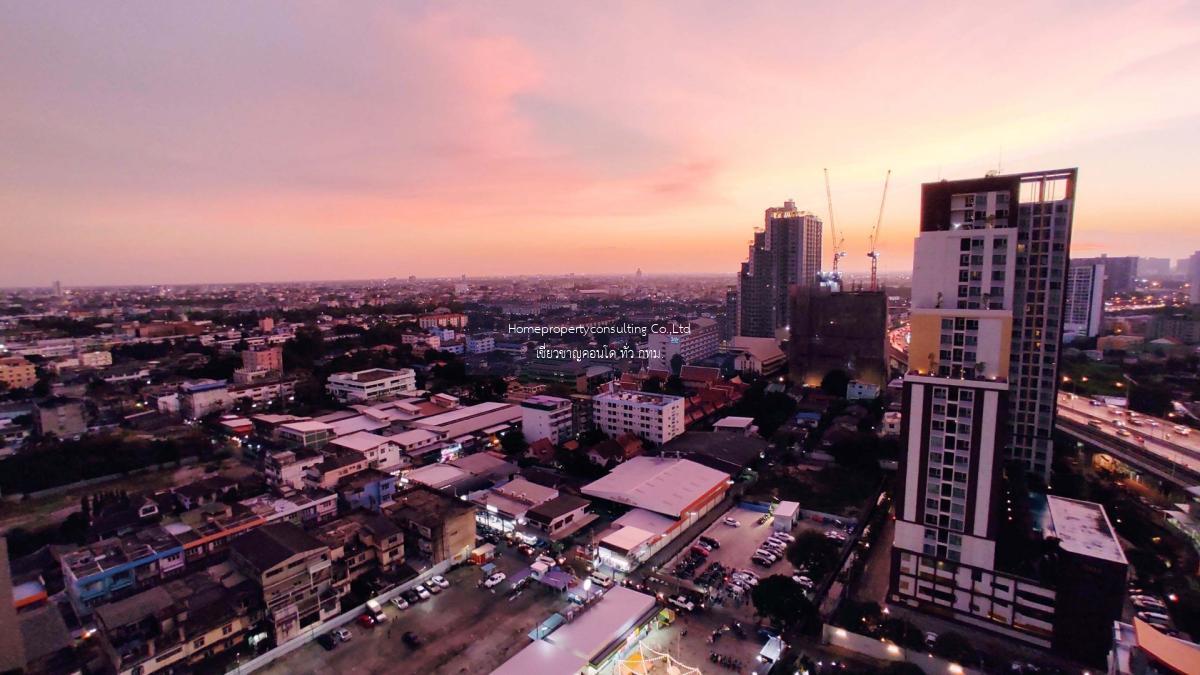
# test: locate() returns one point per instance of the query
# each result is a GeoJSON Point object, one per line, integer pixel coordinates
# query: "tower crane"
{"type": "Point", "coordinates": [838, 252]}
{"type": "Point", "coordinates": [873, 254]}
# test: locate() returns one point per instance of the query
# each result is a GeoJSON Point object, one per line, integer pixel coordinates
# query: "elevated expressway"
{"type": "Point", "coordinates": [1153, 446]}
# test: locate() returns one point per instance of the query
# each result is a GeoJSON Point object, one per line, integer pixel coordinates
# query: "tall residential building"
{"type": "Point", "coordinates": [1085, 301]}
{"type": "Point", "coordinates": [989, 269]}
{"type": "Point", "coordinates": [844, 331]}
{"type": "Point", "coordinates": [700, 339]}
{"type": "Point", "coordinates": [1120, 273]}
{"type": "Point", "coordinates": [785, 253]}
{"type": "Point", "coordinates": [1000, 243]}
{"type": "Point", "coordinates": [1193, 277]}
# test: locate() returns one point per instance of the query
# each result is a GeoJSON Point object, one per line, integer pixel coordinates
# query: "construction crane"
{"type": "Point", "coordinates": [873, 254]}
{"type": "Point", "coordinates": [838, 251]}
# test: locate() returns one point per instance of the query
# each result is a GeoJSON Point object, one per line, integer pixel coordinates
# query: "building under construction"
{"type": "Point", "coordinates": [838, 331]}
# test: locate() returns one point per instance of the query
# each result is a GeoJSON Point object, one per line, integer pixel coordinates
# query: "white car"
{"type": "Point", "coordinates": [342, 635]}
{"type": "Point", "coordinates": [432, 587]}
{"type": "Point", "coordinates": [1182, 430]}
{"type": "Point", "coordinates": [682, 603]}
{"type": "Point", "coordinates": [747, 578]}
{"type": "Point", "coordinates": [731, 522]}
{"type": "Point", "coordinates": [749, 573]}
{"type": "Point", "coordinates": [423, 592]}
{"type": "Point", "coordinates": [440, 582]}
{"type": "Point", "coordinates": [766, 554]}
{"type": "Point", "coordinates": [494, 580]}
{"type": "Point", "coordinates": [400, 603]}
{"type": "Point", "coordinates": [1144, 601]}
{"type": "Point", "coordinates": [807, 583]}
{"type": "Point", "coordinates": [784, 536]}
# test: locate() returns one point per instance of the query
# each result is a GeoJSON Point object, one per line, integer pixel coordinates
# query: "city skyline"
{"type": "Point", "coordinates": [146, 146]}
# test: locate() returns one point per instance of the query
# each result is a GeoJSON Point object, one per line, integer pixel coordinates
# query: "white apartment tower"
{"type": "Point", "coordinates": [987, 304]}
{"type": "Point", "coordinates": [1085, 301]}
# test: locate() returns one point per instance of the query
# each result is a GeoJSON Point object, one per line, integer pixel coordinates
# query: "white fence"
{"type": "Point", "coordinates": [338, 621]}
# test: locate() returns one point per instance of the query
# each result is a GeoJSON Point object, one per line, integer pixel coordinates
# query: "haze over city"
{"type": "Point", "coordinates": [150, 143]}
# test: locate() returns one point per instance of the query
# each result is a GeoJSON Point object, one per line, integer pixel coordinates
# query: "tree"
{"type": "Point", "coordinates": [653, 386]}
{"type": "Point", "coordinates": [513, 442]}
{"type": "Point", "coordinates": [784, 602]}
{"type": "Point", "coordinates": [834, 383]}
{"type": "Point", "coordinates": [676, 364]}
{"type": "Point", "coordinates": [815, 552]}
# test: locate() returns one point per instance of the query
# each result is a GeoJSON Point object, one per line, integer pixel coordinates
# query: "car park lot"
{"type": "Point", "coordinates": [464, 629]}
{"type": "Point", "coordinates": [738, 545]}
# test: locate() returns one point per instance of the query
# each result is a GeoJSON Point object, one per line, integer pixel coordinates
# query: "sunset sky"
{"type": "Point", "coordinates": [244, 141]}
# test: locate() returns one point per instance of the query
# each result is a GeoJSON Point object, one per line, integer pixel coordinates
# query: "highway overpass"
{"type": "Point", "coordinates": [1153, 447]}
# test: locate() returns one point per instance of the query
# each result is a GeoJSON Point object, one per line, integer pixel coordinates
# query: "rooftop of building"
{"type": "Point", "coordinates": [526, 492]}
{"type": "Point", "coordinates": [267, 546]}
{"type": "Point", "coordinates": [587, 638]}
{"type": "Point", "coordinates": [545, 402]}
{"type": "Point", "coordinates": [638, 397]}
{"type": "Point", "coordinates": [1083, 528]}
{"type": "Point", "coordinates": [362, 479]}
{"type": "Point", "coordinates": [663, 485]}
{"type": "Point", "coordinates": [562, 504]}
{"type": "Point", "coordinates": [467, 413]}
{"type": "Point", "coordinates": [360, 441]}
{"type": "Point", "coordinates": [371, 375]}
{"type": "Point", "coordinates": [424, 504]}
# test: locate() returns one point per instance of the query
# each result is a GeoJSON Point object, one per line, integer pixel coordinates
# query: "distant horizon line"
{"type": "Point", "coordinates": [562, 275]}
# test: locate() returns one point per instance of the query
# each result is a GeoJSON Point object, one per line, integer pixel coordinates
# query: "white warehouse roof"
{"type": "Point", "coordinates": [662, 485]}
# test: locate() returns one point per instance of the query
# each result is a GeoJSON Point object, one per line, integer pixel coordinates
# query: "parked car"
{"type": "Point", "coordinates": [682, 603]}
{"type": "Point", "coordinates": [342, 635]}
{"type": "Point", "coordinates": [710, 541]}
{"type": "Point", "coordinates": [731, 522]}
{"type": "Point", "coordinates": [400, 602]}
{"type": "Point", "coordinates": [1153, 616]}
{"type": "Point", "coordinates": [804, 581]}
{"type": "Point", "coordinates": [432, 587]}
{"type": "Point", "coordinates": [411, 596]}
{"type": "Point", "coordinates": [784, 536]}
{"type": "Point", "coordinates": [328, 641]}
{"type": "Point", "coordinates": [366, 620]}
{"type": "Point", "coordinates": [930, 638]}
{"type": "Point", "coordinates": [422, 592]}
{"type": "Point", "coordinates": [494, 580]}
{"type": "Point", "coordinates": [764, 518]}
{"type": "Point", "coordinates": [440, 581]}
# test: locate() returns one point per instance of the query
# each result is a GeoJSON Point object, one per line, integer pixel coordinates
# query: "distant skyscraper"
{"type": "Point", "coordinates": [987, 303]}
{"type": "Point", "coordinates": [1085, 301]}
{"type": "Point", "coordinates": [729, 321]}
{"type": "Point", "coordinates": [1153, 267]}
{"type": "Point", "coordinates": [1120, 273]}
{"type": "Point", "coordinates": [1193, 277]}
{"type": "Point", "coordinates": [785, 253]}
{"type": "Point", "coordinates": [57, 288]}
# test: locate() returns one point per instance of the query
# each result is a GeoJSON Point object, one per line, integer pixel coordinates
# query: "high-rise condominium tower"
{"type": "Point", "coordinates": [999, 243]}
{"type": "Point", "coordinates": [987, 306]}
{"type": "Point", "coordinates": [785, 253]}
